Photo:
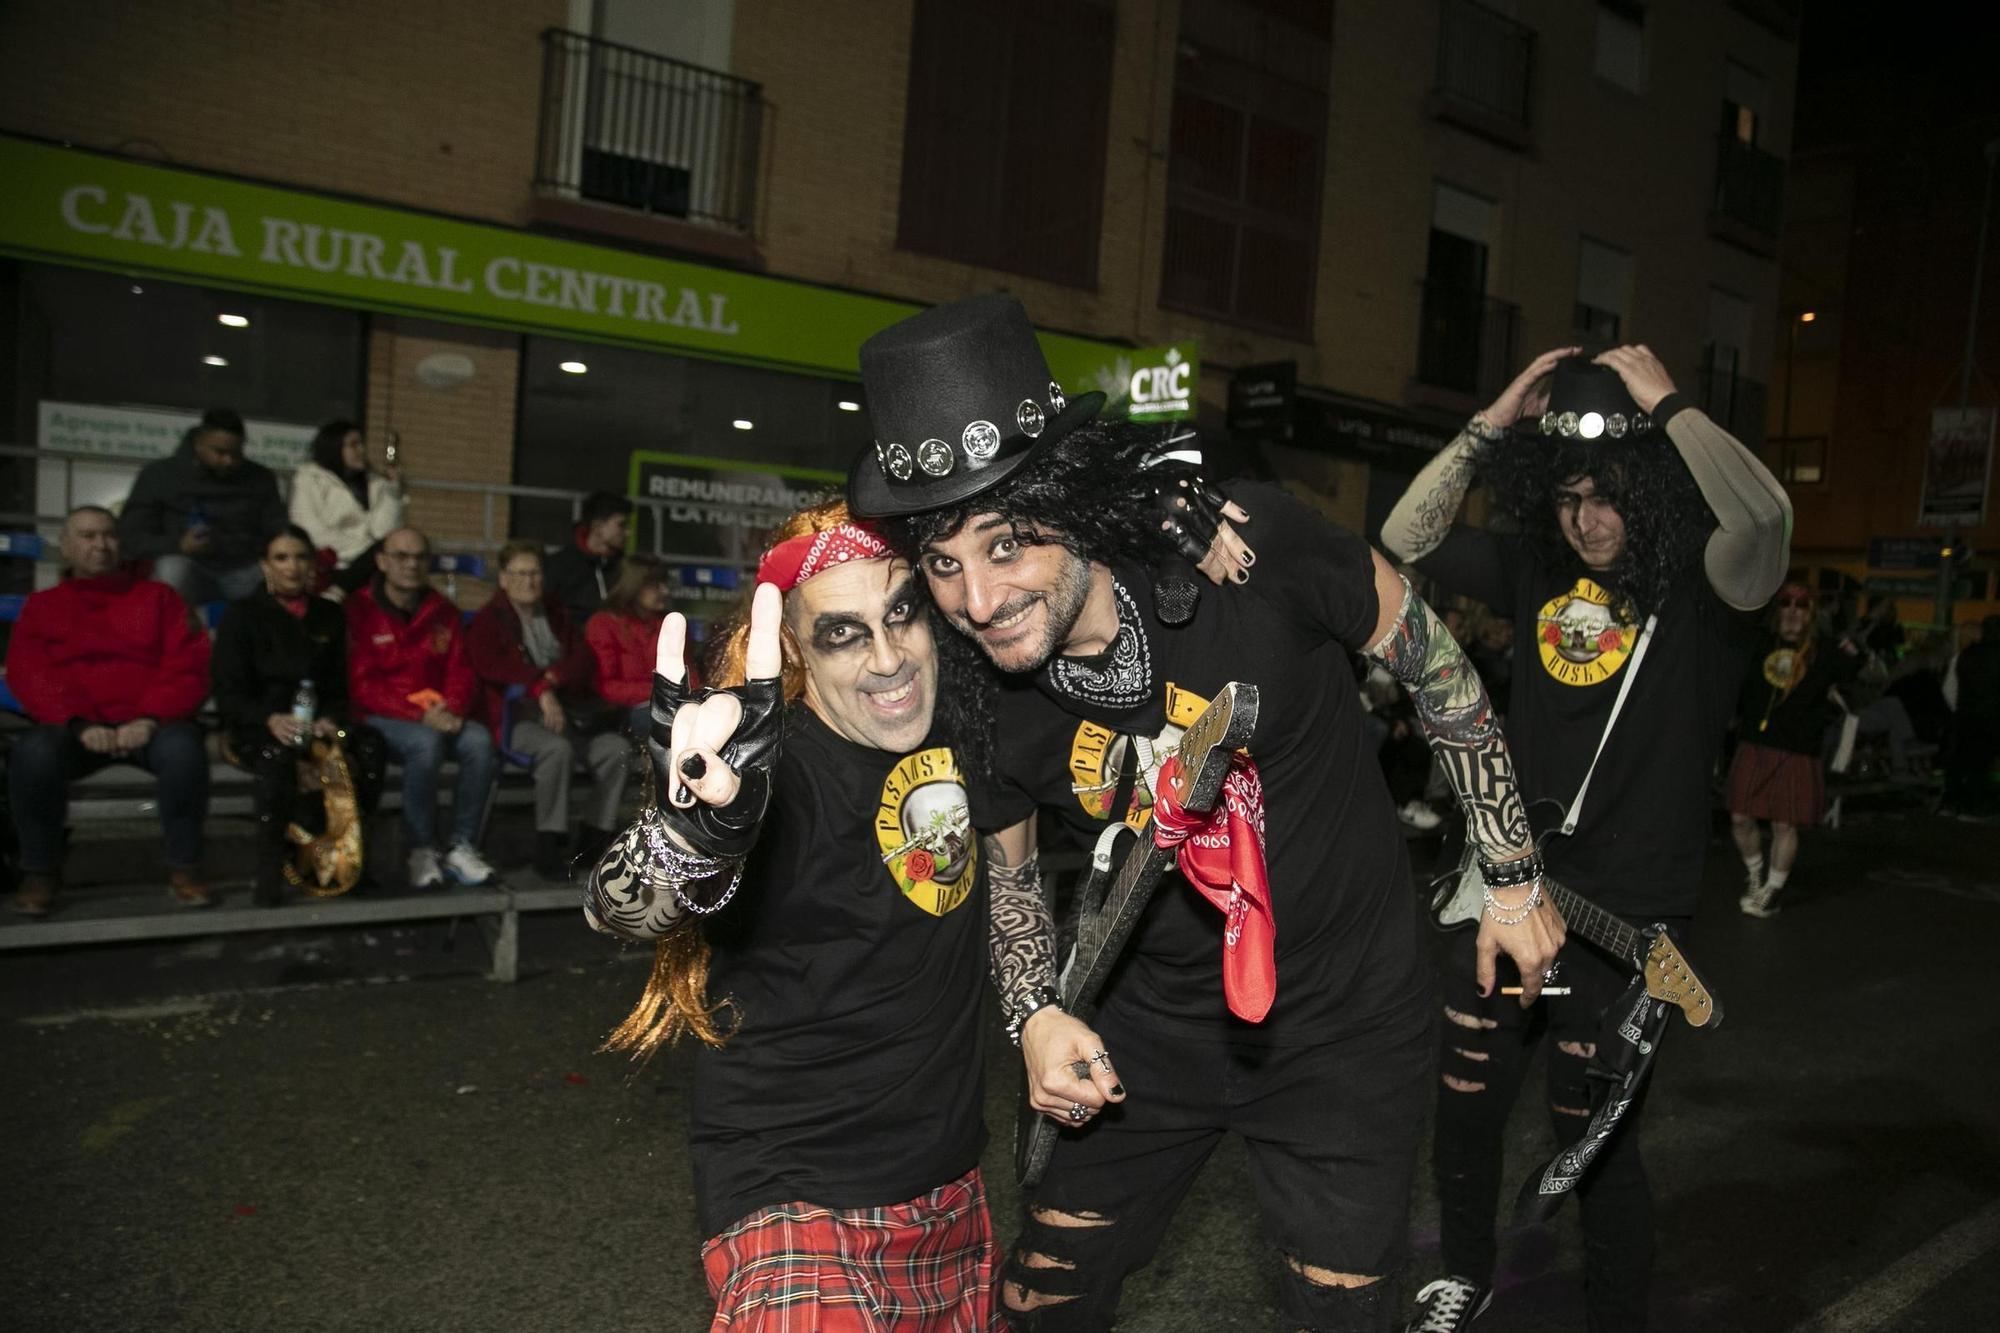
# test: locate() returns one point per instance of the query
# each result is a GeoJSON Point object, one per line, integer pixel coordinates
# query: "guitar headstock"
{"type": "Point", "coordinates": [1223, 727]}
{"type": "Point", "coordinates": [1671, 980]}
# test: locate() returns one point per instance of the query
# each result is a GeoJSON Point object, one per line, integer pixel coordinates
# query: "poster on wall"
{"type": "Point", "coordinates": [708, 519]}
{"type": "Point", "coordinates": [1958, 468]}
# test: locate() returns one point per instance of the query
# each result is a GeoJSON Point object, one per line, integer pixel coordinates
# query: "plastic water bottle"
{"type": "Point", "coordinates": [305, 706]}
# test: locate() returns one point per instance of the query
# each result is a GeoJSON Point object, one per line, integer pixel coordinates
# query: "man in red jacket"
{"type": "Point", "coordinates": [112, 667]}
{"type": "Point", "coordinates": [408, 677]}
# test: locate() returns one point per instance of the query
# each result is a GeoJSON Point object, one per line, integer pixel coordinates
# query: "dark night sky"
{"type": "Point", "coordinates": [1860, 75]}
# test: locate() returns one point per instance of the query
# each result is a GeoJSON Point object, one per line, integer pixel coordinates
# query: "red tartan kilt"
{"type": "Point", "coordinates": [925, 1266]}
{"type": "Point", "coordinates": [1777, 785]}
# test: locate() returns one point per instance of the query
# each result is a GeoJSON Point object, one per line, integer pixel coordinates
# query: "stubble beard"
{"type": "Point", "coordinates": [1062, 606]}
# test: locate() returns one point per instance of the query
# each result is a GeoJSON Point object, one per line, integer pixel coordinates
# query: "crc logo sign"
{"type": "Point", "coordinates": [1163, 389]}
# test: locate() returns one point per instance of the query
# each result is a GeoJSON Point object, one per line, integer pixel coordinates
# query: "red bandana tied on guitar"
{"type": "Point", "coordinates": [796, 559]}
{"type": "Point", "coordinates": [1222, 855]}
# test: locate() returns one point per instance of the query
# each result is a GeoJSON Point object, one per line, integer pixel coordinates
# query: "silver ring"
{"type": "Point", "coordinates": [1079, 1112]}
{"type": "Point", "coordinates": [1101, 1059]}
{"type": "Point", "coordinates": [1550, 975]}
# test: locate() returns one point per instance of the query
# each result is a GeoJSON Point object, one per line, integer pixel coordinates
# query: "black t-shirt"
{"type": "Point", "coordinates": [1794, 721]}
{"type": "Point", "coordinates": [1348, 933]}
{"type": "Point", "coordinates": [854, 954]}
{"type": "Point", "coordinates": [1639, 846]}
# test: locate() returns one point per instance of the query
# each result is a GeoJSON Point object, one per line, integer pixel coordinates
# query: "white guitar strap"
{"type": "Point", "coordinates": [1617, 706]}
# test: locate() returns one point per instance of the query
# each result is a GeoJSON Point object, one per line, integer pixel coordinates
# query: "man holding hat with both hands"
{"type": "Point", "coordinates": [1284, 996]}
{"type": "Point", "coordinates": [1646, 536]}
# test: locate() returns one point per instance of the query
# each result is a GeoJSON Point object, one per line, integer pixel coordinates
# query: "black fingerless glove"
{"type": "Point", "coordinates": [1187, 510]}
{"type": "Point", "coordinates": [752, 750]}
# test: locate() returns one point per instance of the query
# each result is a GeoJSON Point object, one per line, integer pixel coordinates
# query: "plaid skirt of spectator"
{"type": "Point", "coordinates": [1776, 785]}
{"type": "Point", "coordinates": [925, 1266]}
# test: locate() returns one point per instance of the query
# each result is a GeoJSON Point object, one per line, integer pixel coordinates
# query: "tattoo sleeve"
{"type": "Point", "coordinates": [632, 894]}
{"type": "Point", "coordinates": [1021, 942]}
{"type": "Point", "coordinates": [1427, 509]}
{"type": "Point", "coordinates": [1457, 718]}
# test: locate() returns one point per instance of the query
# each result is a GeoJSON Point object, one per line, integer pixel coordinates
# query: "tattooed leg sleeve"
{"type": "Point", "coordinates": [1458, 719]}
{"type": "Point", "coordinates": [631, 893]}
{"type": "Point", "coordinates": [1021, 941]}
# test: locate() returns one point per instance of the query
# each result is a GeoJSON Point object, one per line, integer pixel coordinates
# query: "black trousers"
{"type": "Point", "coordinates": [276, 800]}
{"type": "Point", "coordinates": [1486, 1046]}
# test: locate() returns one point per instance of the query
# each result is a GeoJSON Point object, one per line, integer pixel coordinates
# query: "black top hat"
{"type": "Point", "coordinates": [960, 397]}
{"type": "Point", "coordinates": [1588, 402]}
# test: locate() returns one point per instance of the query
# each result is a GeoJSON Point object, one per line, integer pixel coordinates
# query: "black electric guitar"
{"type": "Point", "coordinates": [1458, 901]}
{"type": "Point", "coordinates": [1106, 915]}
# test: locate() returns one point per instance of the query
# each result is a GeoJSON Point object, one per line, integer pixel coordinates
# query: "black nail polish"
{"type": "Point", "coordinates": [1249, 557]}
{"type": "Point", "coordinates": [1117, 1089]}
{"type": "Point", "coordinates": [693, 767]}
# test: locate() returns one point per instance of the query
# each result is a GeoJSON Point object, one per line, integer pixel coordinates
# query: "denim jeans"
{"type": "Point", "coordinates": [422, 751]}
{"type": "Point", "coordinates": [46, 760]}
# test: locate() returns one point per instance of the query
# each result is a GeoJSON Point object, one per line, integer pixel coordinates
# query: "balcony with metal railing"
{"type": "Point", "coordinates": [1749, 196]}
{"type": "Point", "coordinates": [1485, 73]}
{"type": "Point", "coordinates": [646, 146]}
{"type": "Point", "coordinates": [1465, 347]}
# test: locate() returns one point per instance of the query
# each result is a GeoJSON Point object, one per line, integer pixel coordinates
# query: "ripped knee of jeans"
{"type": "Point", "coordinates": [1465, 1020]}
{"type": "Point", "coordinates": [1464, 1068]}
{"type": "Point", "coordinates": [1050, 1263]}
{"type": "Point", "coordinates": [1582, 1050]}
{"type": "Point", "coordinates": [1316, 1296]}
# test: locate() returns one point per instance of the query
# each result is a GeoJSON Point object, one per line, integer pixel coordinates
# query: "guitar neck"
{"type": "Point", "coordinates": [1600, 927]}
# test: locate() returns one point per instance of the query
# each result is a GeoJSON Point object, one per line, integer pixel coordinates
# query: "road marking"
{"type": "Point", "coordinates": [129, 1013]}
{"type": "Point", "coordinates": [1875, 1303]}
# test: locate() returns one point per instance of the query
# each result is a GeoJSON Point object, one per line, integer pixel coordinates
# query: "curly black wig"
{"type": "Point", "coordinates": [1667, 523]}
{"type": "Point", "coordinates": [1088, 492]}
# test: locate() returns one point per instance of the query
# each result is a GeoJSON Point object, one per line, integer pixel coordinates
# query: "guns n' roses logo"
{"type": "Point", "coordinates": [1098, 759]}
{"type": "Point", "coordinates": [1582, 638]}
{"type": "Point", "coordinates": [924, 828]}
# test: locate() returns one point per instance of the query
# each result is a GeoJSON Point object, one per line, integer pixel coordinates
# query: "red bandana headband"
{"type": "Point", "coordinates": [796, 559]}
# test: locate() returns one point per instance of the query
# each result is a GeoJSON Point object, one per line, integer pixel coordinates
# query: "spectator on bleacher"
{"type": "Point", "coordinates": [266, 646]}
{"type": "Point", "coordinates": [408, 677]}
{"type": "Point", "coordinates": [624, 641]}
{"type": "Point", "coordinates": [346, 508]}
{"type": "Point", "coordinates": [525, 638]}
{"type": "Point", "coordinates": [112, 667]}
{"type": "Point", "coordinates": [582, 573]}
{"type": "Point", "coordinates": [201, 513]}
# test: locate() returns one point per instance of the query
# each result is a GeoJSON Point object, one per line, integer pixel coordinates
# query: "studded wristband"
{"type": "Point", "coordinates": [1511, 874]}
{"type": "Point", "coordinates": [1039, 998]}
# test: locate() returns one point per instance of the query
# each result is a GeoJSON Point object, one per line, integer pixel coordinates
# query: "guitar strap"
{"type": "Point", "coordinates": [1617, 707]}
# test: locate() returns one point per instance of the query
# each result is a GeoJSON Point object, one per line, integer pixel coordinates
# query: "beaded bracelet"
{"type": "Point", "coordinates": [1499, 911]}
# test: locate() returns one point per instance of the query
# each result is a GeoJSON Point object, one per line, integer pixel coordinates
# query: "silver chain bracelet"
{"type": "Point", "coordinates": [677, 866]}
{"type": "Point", "coordinates": [1499, 910]}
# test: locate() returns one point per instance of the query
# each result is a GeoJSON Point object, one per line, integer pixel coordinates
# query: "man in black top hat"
{"type": "Point", "coordinates": [1035, 526]}
{"type": "Point", "coordinates": [1646, 536]}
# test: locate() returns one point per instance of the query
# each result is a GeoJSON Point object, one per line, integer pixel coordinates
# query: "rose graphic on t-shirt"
{"type": "Point", "coordinates": [1583, 637]}
{"type": "Point", "coordinates": [919, 865]}
{"type": "Point", "coordinates": [923, 826]}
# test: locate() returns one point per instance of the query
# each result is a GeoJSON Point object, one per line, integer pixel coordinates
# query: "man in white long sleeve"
{"type": "Point", "coordinates": [1638, 519]}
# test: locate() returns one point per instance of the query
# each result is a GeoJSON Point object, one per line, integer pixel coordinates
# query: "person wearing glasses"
{"type": "Point", "coordinates": [408, 677]}
{"type": "Point", "coordinates": [1781, 721]}
{"type": "Point", "coordinates": [524, 641]}
{"type": "Point", "coordinates": [1645, 535]}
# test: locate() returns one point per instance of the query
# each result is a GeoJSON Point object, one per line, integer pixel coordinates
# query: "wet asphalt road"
{"type": "Point", "coordinates": [354, 1130]}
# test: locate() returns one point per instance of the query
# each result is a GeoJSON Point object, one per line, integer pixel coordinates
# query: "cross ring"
{"type": "Point", "coordinates": [1100, 1058]}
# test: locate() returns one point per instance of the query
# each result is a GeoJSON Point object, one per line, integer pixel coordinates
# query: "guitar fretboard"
{"type": "Point", "coordinates": [1595, 924]}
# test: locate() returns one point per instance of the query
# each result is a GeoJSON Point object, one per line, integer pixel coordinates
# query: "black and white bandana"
{"type": "Point", "coordinates": [1119, 677]}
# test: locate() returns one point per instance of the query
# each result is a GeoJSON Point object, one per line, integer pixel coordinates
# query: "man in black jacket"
{"type": "Point", "coordinates": [201, 514]}
{"type": "Point", "coordinates": [269, 644]}
{"type": "Point", "coordinates": [581, 573]}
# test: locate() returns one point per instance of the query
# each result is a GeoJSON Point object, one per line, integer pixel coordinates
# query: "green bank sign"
{"type": "Point", "coordinates": [107, 212]}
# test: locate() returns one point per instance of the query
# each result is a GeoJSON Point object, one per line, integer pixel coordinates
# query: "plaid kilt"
{"type": "Point", "coordinates": [925, 1266]}
{"type": "Point", "coordinates": [1776, 784]}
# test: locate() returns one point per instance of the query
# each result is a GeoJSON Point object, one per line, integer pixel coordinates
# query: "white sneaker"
{"type": "Point", "coordinates": [467, 866]}
{"type": "Point", "coordinates": [424, 871]}
{"type": "Point", "coordinates": [1419, 816]}
{"type": "Point", "coordinates": [1448, 1305]}
{"type": "Point", "coordinates": [1760, 902]}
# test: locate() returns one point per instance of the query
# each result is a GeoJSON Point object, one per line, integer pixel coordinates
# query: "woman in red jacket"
{"type": "Point", "coordinates": [624, 638]}
{"type": "Point", "coordinates": [525, 638]}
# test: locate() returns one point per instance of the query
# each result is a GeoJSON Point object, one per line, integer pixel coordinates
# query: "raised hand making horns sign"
{"type": "Point", "coordinates": [712, 751]}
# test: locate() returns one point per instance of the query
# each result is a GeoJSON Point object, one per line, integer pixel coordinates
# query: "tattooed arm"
{"type": "Point", "coordinates": [1054, 1045]}
{"type": "Point", "coordinates": [633, 893]}
{"type": "Point", "coordinates": [1425, 514]}
{"type": "Point", "coordinates": [1457, 719]}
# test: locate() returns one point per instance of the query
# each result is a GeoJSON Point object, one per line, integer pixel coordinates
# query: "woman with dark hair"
{"type": "Point", "coordinates": [346, 508]}
{"type": "Point", "coordinates": [267, 646]}
{"type": "Point", "coordinates": [623, 639]}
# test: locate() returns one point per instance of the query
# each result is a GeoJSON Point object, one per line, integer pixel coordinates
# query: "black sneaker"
{"type": "Point", "coordinates": [1449, 1304]}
